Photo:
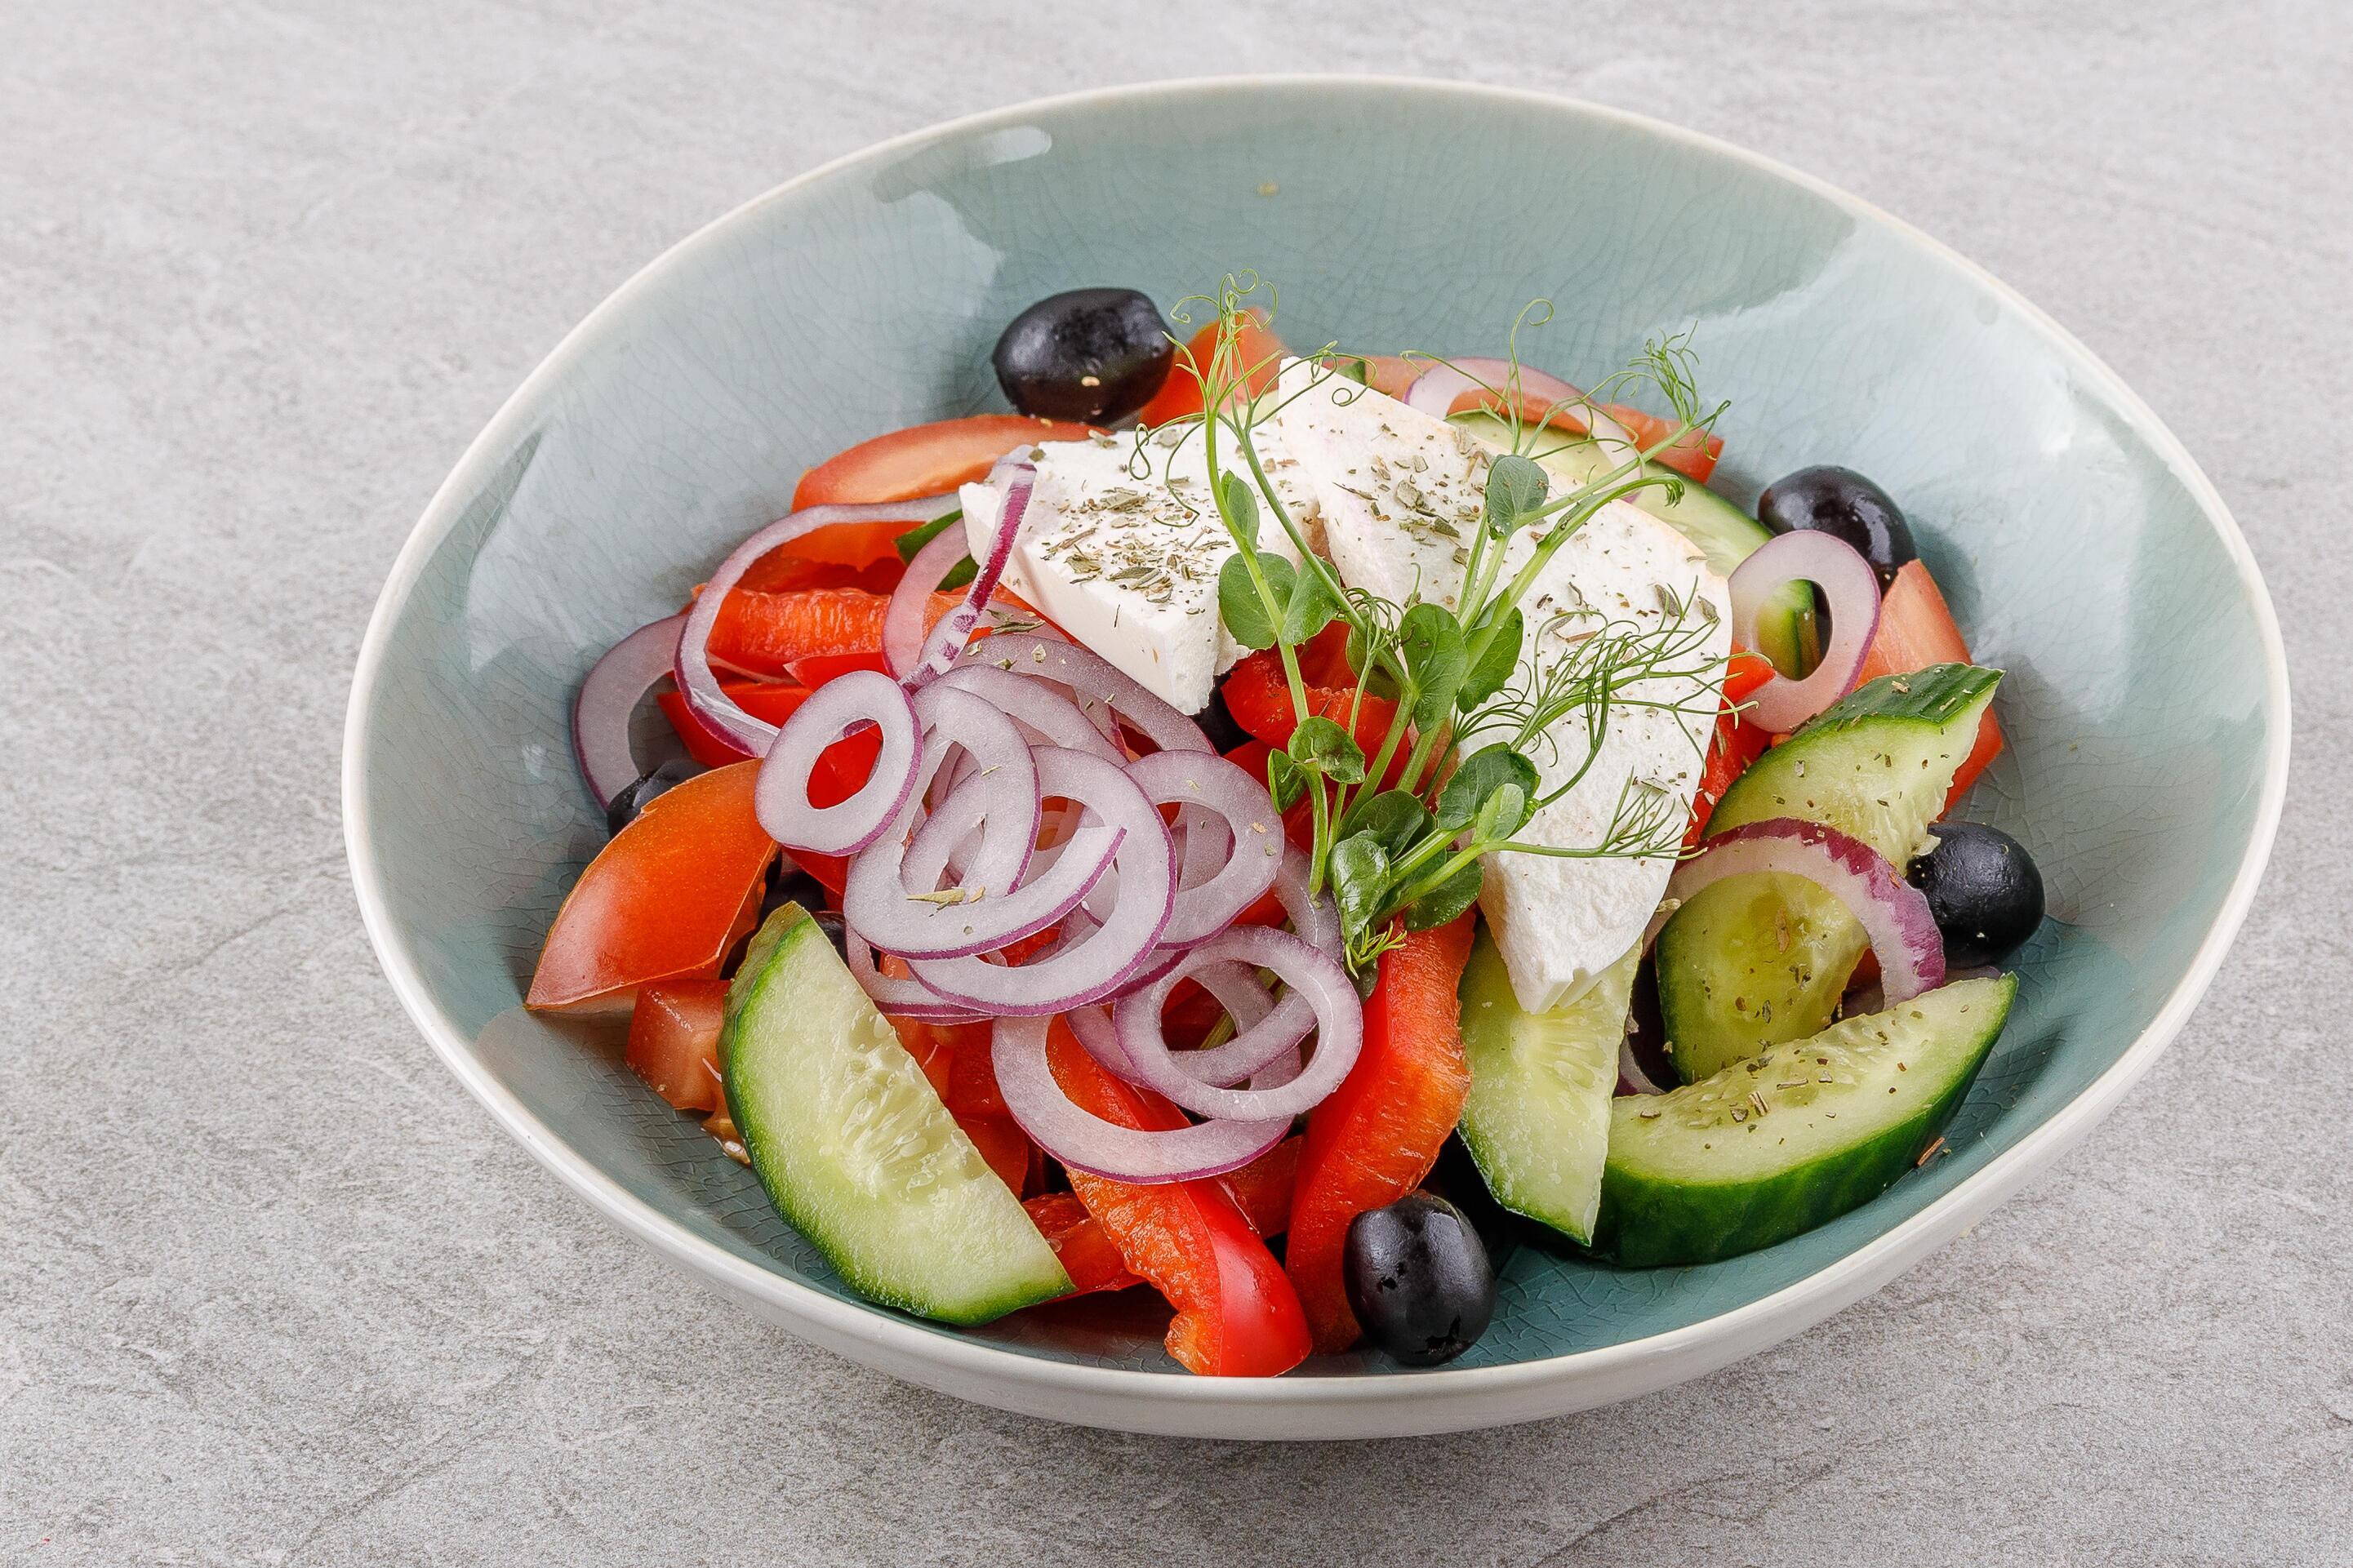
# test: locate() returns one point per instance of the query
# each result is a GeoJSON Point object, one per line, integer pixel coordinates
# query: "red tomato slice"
{"type": "Point", "coordinates": [674, 1041]}
{"type": "Point", "coordinates": [1088, 1254]}
{"type": "Point", "coordinates": [1915, 630]}
{"type": "Point", "coordinates": [1375, 1137]}
{"type": "Point", "coordinates": [906, 465]}
{"type": "Point", "coordinates": [664, 900]}
{"type": "Point", "coordinates": [1236, 1316]}
{"type": "Point", "coordinates": [1261, 353]}
{"type": "Point", "coordinates": [1003, 1145]}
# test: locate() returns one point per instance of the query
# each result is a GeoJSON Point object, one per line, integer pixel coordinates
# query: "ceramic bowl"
{"type": "Point", "coordinates": [2146, 701]}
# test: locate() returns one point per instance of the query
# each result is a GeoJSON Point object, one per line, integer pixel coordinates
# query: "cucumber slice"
{"type": "Point", "coordinates": [1794, 1137]}
{"type": "Point", "coordinates": [1754, 961]}
{"type": "Point", "coordinates": [1723, 531]}
{"type": "Point", "coordinates": [855, 1149]}
{"type": "Point", "coordinates": [1537, 1119]}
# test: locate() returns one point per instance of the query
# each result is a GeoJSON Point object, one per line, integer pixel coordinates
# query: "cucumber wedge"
{"type": "Point", "coordinates": [1537, 1119]}
{"type": "Point", "coordinates": [1793, 1137]}
{"type": "Point", "coordinates": [1785, 626]}
{"type": "Point", "coordinates": [1754, 961]}
{"type": "Point", "coordinates": [855, 1149]}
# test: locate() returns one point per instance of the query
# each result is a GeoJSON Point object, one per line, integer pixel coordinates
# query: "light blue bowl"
{"type": "Point", "coordinates": [2146, 702]}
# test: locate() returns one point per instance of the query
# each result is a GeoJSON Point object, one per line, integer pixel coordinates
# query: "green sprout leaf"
{"type": "Point", "coordinates": [1493, 670]}
{"type": "Point", "coordinates": [1431, 642]}
{"type": "Point", "coordinates": [1323, 747]}
{"type": "Point", "coordinates": [1239, 606]}
{"type": "Point", "coordinates": [1515, 487]}
{"type": "Point", "coordinates": [1445, 901]}
{"type": "Point", "coordinates": [1286, 780]}
{"type": "Point", "coordinates": [1239, 503]}
{"type": "Point", "coordinates": [1393, 819]}
{"type": "Point", "coordinates": [922, 533]}
{"type": "Point", "coordinates": [1499, 815]}
{"type": "Point", "coordinates": [1360, 874]}
{"type": "Point", "coordinates": [1481, 774]}
{"type": "Point", "coordinates": [1310, 607]}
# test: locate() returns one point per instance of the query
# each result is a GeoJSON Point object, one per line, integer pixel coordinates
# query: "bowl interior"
{"type": "Point", "coordinates": [2068, 532]}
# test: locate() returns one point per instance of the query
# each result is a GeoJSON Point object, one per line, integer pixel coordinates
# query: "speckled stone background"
{"type": "Point", "coordinates": [273, 1291]}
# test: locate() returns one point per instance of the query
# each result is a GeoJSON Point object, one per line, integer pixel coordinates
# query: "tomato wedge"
{"type": "Point", "coordinates": [1260, 352]}
{"type": "Point", "coordinates": [1236, 1316]}
{"type": "Point", "coordinates": [1004, 1145]}
{"type": "Point", "coordinates": [1089, 1255]}
{"type": "Point", "coordinates": [907, 465]}
{"type": "Point", "coordinates": [772, 700]}
{"type": "Point", "coordinates": [1735, 744]}
{"type": "Point", "coordinates": [1916, 629]}
{"type": "Point", "coordinates": [674, 1041]}
{"type": "Point", "coordinates": [1375, 1137]}
{"type": "Point", "coordinates": [1258, 698]}
{"type": "Point", "coordinates": [664, 900]}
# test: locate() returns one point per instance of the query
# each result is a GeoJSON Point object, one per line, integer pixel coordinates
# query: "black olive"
{"type": "Point", "coordinates": [1418, 1280]}
{"type": "Point", "coordinates": [1844, 505]}
{"type": "Point", "coordinates": [1095, 354]}
{"type": "Point", "coordinates": [1983, 889]}
{"type": "Point", "coordinates": [623, 808]}
{"type": "Point", "coordinates": [788, 884]}
{"type": "Point", "coordinates": [1217, 722]}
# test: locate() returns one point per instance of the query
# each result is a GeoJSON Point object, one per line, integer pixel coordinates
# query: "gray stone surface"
{"type": "Point", "coordinates": [273, 1291]}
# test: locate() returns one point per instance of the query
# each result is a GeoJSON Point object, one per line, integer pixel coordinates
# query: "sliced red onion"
{"type": "Point", "coordinates": [896, 914]}
{"type": "Point", "coordinates": [1050, 715]}
{"type": "Point", "coordinates": [899, 997]}
{"type": "Point", "coordinates": [1851, 591]}
{"type": "Point", "coordinates": [948, 640]}
{"type": "Point", "coordinates": [845, 703]}
{"type": "Point", "coordinates": [1316, 919]}
{"type": "Point", "coordinates": [1092, 678]}
{"type": "Point", "coordinates": [1253, 1053]}
{"type": "Point", "coordinates": [1085, 1141]}
{"type": "Point", "coordinates": [1091, 964]}
{"type": "Point", "coordinates": [1871, 998]}
{"type": "Point", "coordinates": [608, 697]}
{"type": "Point", "coordinates": [708, 705]}
{"type": "Point", "coordinates": [987, 745]}
{"type": "Point", "coordinates": [1207, 781]}
{"type": "Point", "coordinates": [1339, 1022]}
{"type": "Point", "coordinates": [1893, 912]}
{"type": "Point", "coordinates": [1631, 1078]}
{"type": "Point", "coordinates": [1438, 389]}
{"type": "Point", "coordinates": [903, 619]}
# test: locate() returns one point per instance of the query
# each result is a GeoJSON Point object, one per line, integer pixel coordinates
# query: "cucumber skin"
{"type": "Point", "coordinates": [1021, 1286]}
{"type": "Point", "coordinates": [1826, 941]}
{"type": "Point", "coordinates": [1646, 1223]}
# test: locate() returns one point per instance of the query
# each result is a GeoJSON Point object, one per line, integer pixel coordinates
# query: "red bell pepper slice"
{"type": "Point", "coordinates": [772, 700]}
{"type": "Point", "coordinates": [1375, 1138]}
{"type": "Point", "coordinates": [1735, 744]}
{"type": "Point", "coordinates": [1261, 353]}
{"type": "Point", "coordinates": [1236, 1316]}
{"type": "Point", "coordinates": [664, 900]}
{"type": "Point", "coordinates": [1692, 455]}
{"type": "Point", "coordinates": [1915, 630]}
{"type": "Point", "coordinates": [817, 668]}
{"type": "Point", "coordinates": [1004, 1145]}
{"type": "Point", "coordinates": [1258, 698]}
{"type": "Point", "coordinates": [674, 1041]}
{"type": "Point", "coordinates": [1089, 1255]}
{"type": "Point", "coordinates": [1263, 1187]}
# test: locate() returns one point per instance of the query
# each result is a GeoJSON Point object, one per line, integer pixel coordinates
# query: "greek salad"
{"type": "Point", "coordinates": [1282, 827]}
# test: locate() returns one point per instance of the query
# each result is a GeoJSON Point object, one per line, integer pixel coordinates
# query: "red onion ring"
{"type": "Point", "coordinates": [903, 618]}
{"type": "Point", "coordinates": [1091, 964]}
{"type": "Point", "coordinates": [1851, 590]}
{"type": "Point", "coordinates": [1339, 1019]}
{"type": "Point", "coordinates": [845, 703]}
{"type": "Point", "coordinates": [1251, 1051]}
{"type": "Point", "coordinates": [711, 707]}
{"type": "Point", "coordinates": [900, 997]}
{"type": "Point", "coordinates": [1090, 678]}
{"type": "Point", "coordinates": [1893, 912]}
{"type": "Point", "coordinates": [1085, 1141]}
{"type": "Point", "coordinates": [1436, 391]}
{"type": "Point", "coordinates": [940, 650]}
{"type": "Point", "coordinates": [1049, 715]}
{"type": "Point", "coordinates": [1631, 1078]}
{"type": "Point", "coordinates": [1207, 781]}
{"type": "Point", "coordinates": [608, 697]}
{"type": "Point", "coordinates": [1318, 918]}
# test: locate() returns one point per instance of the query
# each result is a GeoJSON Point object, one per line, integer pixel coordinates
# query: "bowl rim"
{"type": "Point", "coordinates": [1448, 1397]}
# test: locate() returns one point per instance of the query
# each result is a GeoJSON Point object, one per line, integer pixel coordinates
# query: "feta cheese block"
{"type": "Point", "coordinates": [1121, 547]}
{"type": "Point", "coordinates": [1402, 494]}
